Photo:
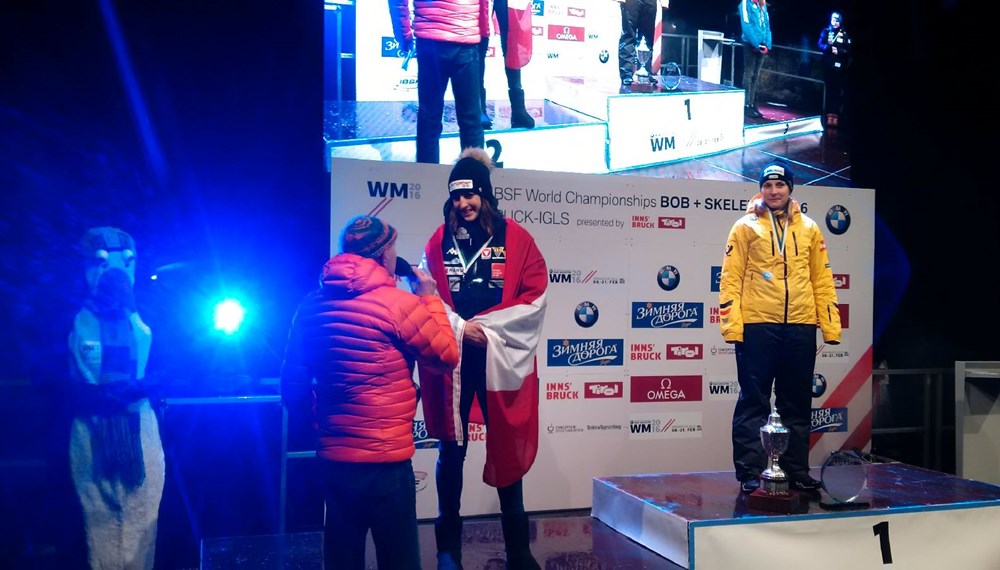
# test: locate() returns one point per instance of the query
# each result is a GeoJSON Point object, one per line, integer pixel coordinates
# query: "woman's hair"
{"type": "Point", "coordinates": [488, 217]}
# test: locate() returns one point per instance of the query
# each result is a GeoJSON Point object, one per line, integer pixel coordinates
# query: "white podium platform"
{"type": "Point", "coordinates": [917, 519]}
{"type": "Point", "coordinates": [584, 125]}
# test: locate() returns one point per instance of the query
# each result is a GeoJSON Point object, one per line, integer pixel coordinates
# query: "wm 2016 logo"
{"type": "Point", "coordinates": [838, 220]}
{"type": "Point", "coordinates": [659, 315]}
{"type": "Point", "coordinates": [586, 352]}
{"type": "Point", "coordinates": [404, 190]}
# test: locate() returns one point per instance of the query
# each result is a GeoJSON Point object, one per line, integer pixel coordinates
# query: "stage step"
{"type": "Point", "coordinates": [917, 519]}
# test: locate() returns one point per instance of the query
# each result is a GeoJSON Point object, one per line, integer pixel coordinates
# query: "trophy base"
{"type": "Point", "coordinates": [789, 503]}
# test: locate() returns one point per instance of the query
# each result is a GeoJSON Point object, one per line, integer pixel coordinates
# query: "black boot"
{"type": "Point", "coordinates": [516, 540]}
{"type": "Point", "coordinates": [519, 117]}
{"type": "Point", "coordinates": [484, 118]}
{"type": "Point", "coordinates": [448, 538]}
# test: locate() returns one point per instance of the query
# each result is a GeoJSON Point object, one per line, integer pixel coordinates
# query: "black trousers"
{"type": "Point", "coordinates": [638, 21]}
{"type": "Point", "coordinates": [782, 357]}
{"type": "Point", "coordinates": [438, 64]}
{"type": "Point", "coordinates": [451, 457]}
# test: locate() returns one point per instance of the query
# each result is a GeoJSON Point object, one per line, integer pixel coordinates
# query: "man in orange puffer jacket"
{"type": "Point", "coordinates": [360, 337]}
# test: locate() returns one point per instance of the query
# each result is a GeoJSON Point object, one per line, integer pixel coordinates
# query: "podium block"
{"type": "Point", "coordinates": [977, 420]}
{"type": "Point", "coordinates": [710, 56]}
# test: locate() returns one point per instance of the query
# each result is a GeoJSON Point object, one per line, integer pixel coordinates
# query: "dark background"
{"type": "Point", "coordinates": [200, 133]}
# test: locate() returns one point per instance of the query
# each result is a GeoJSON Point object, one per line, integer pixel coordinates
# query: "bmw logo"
{"type": "Point", "coordinates": [603, 56]}
{"type": "Point", "coordinates": [819, 385]}
{"type": "Point", "coordinates": [586, 314]}
{"type": "Point", "coordinates": [668, 278]}
{"type": "Point", "coordinates": [838, 219]}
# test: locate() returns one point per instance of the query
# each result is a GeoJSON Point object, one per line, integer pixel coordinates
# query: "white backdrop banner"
{"type": "Point", "coordinates": [635, 377]}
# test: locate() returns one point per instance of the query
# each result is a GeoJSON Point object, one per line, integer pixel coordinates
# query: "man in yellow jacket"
{"type": "Point", "coordinates": [776, 288]}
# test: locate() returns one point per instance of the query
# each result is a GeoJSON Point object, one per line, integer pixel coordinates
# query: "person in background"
{"type": "Point", "coordinates": [359, 335]}
{"type": "Point", "coordinates": [116, 454]}
{"type": "Point", "coordinates": [515, 42]}
{"type": "Point", "coordinates": [638, 23]}
{"type": "Point", "coordinates": [755, 26]}
{"type": "Point", "coordinates": [776, 286]}
{"type": "Point", "coordinates": [493, 278]}
{"type": "Point", "coordinates": [447, 35]}
{"type": "Point", "coordinates": [835, 44]}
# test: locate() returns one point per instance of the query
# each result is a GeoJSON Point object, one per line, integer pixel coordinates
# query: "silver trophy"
{"type": "Point", "coordinates": [774, 439]}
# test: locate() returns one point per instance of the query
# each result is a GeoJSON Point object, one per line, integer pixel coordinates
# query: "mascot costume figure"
{"type": "Point", "coordinates": [116, 455]}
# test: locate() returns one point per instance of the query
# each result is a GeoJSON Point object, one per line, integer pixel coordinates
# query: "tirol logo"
{"type": "Point", "coordinates": [576, 12]}
{"type": "Point", "coordinates": [842, 280]}
{"type": "Point", "coordinates": [838, 220]}
{"type": "Point", "coordinates": [715, 278]}
{"type": "Point", "coordinates": [668, 277]}
{"type": "Point", "coordinates": [420, 438]}
{"type": "Point", "coordinates": [586, 314]}
{"type": "Point", "coordinates": [538, 7]}
{"type": "Point", "coordinates": [602, 389]}
{"type": "Point", "coordinates": [537, 31]}
{"type": "Point", "coordinates": [845, 315]}
{"type": "Point", "coordinates": [586, 352]}
{"type": "Point", "coordinates": [684, 352]}
{"type": "Point", "coordinates": [659, 315]}
{"type": "Point", "coordinates": [828, 419]}
{"type": "Point", "coordinates": [404, 190]}
{"type": "Point", "coordinates": [566, 33]}
{"type": "Point", "coordinates": [671, 223]}
{"type": "Point", "coordinates": [665, 389]}
{"type": "Point", "coordinates": [818, 385]}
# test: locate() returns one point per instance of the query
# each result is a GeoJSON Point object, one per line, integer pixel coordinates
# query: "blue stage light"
{"type": "Point", "coordinates": [228, 315]}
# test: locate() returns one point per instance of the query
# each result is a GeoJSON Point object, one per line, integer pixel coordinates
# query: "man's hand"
{"type": "Point", "coordinates": [405, 45]}
{"type": "Point", "coordinates": [425, 284]}
{"type": "Point", "coordinates": [474, 335]}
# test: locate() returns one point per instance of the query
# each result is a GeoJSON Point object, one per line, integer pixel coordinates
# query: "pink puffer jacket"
{"type": "Point", "coordinates": [359, 336]}
{"type": "Point", "coordinates": [458, 21]}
